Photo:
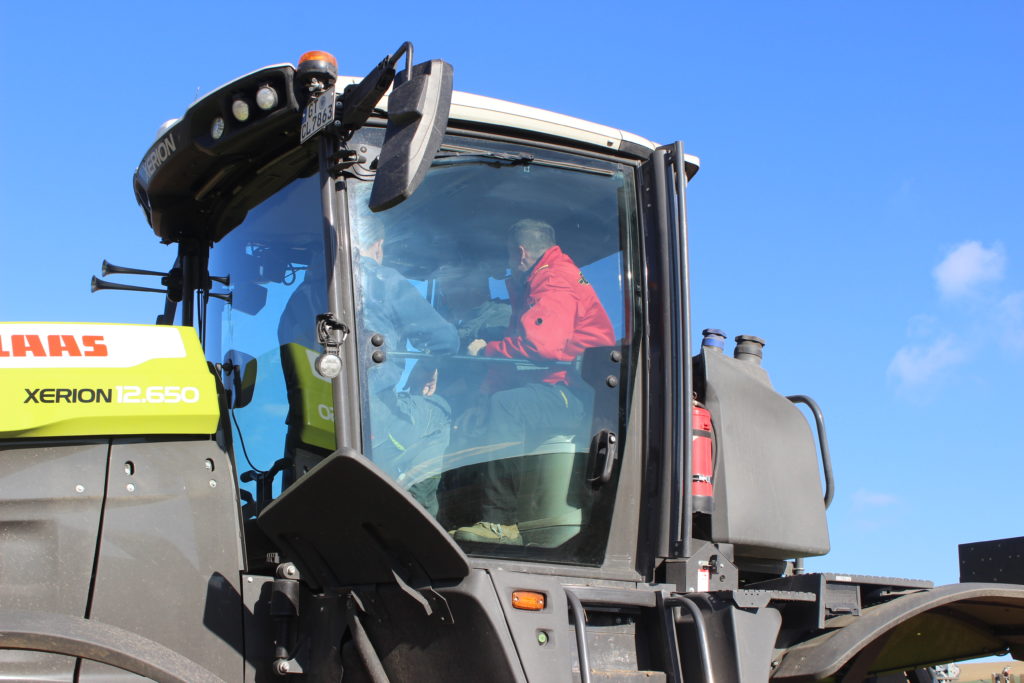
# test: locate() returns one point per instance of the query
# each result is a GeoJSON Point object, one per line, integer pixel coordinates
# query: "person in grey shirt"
{"type": "Point", "coordinates": [408, 430]}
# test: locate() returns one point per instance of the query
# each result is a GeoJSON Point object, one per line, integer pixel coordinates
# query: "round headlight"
{"type": "Point", "coordinates": [217, 128]}
{"type": "Point", "coordinates": [266, 98]}
{"type": "Point", "coordinates": [240, 110]}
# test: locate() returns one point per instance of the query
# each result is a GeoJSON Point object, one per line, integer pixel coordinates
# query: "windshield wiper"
{"type": "Point", "coordinates": [477, 156]}
{"type": "Point", "coordinates": [450, 155]}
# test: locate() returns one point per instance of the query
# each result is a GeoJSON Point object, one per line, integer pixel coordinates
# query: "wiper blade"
{"type": "Point", "coordinates": [468, 155]}
{"type": "Point", "coordinates": [475, 156]}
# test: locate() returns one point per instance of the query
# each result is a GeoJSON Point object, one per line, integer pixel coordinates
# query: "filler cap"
{"type": "Point", "coordinates": [714, 339]}
{"type": "Point", "coordinates": [749, 348]}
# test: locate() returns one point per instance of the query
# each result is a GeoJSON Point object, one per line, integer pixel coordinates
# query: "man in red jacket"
{"type": "Point", "coordinates": [555, 316]}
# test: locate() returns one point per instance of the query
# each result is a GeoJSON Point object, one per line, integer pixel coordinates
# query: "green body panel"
{"type": "Point", "coordinates": [84, 379]}
{"type": "Point", "coordinates": [312, 405]}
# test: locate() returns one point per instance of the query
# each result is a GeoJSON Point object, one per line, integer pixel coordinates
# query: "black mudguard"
{"type": "Point", "coordinates": [67, 635]}
{"type": "Point", "coordinates": [944, 624]}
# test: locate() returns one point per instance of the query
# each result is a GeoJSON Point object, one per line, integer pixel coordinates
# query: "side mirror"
{"type": "Point", "coordinates": [240, 376]}
{"type": "Point", "coordinates": [249, 298]}
{"type": "Point", "coordinates": [417, 117]}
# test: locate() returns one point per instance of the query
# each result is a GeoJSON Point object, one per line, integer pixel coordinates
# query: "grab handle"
{"type": "Point", "coordinates": [826, 459]}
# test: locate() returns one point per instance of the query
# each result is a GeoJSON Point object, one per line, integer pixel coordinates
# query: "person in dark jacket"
{"type": "Point", "coordinates": [409, 431]}
{"type": "Point", "coordinates": [465, 295]}
{"type": "Point", "coordinates": [555, 316]}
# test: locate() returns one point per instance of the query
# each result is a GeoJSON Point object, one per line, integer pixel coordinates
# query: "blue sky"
{"type": "Point", "coordinates": [858, 204]}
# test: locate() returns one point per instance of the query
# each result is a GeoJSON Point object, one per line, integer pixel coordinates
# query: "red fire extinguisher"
{"type": "Point", "coordinates": [702, 463]}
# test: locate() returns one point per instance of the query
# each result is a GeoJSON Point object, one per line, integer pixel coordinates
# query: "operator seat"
{"type": "Point", "coordinates": [555, 497]}
{"type": "Point", "coordinates": [549, 513]}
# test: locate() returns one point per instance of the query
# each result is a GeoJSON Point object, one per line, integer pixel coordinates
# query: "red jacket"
{"type": "Point", "coordinates": [555, 316]}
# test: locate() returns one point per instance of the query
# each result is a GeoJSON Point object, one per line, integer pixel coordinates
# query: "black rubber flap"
{"type": "Point", "coordinates": [346, 523]}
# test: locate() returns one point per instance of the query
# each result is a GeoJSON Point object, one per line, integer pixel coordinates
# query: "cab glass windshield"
{"type": "Point", "coordinates": [494, 343]}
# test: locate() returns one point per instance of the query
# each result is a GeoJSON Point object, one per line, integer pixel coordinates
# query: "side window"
{"type": "Point", "coordinates": [490, 306]}
{"type": "Point", "coordinates": [265, 336]}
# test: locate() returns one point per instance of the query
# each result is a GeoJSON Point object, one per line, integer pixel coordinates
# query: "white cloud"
{"type": "Point", "coordinates": [915, 365]}
{"type": "Point", "coordinates": [967, 266]}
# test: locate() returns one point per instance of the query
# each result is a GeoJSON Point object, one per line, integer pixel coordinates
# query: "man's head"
{"type": "Point", "coordinates": [464, 285]}
{"type": "Point", "coordinates": [528, 239]}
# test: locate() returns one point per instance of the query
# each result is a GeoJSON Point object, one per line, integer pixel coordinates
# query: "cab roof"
{"type": "Point", "coordinates": [194, 183]}
{"type": "Point", "coordinates": [479, 110]}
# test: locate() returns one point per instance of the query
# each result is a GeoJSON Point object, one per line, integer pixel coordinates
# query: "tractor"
{"type": "Point", "coordinates": [289, 475]}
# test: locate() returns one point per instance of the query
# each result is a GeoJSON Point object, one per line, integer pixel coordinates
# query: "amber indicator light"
{"type": "Point", "coordinates": [528, 600]}
{"type": "Point", "coordinates": [318, 56]}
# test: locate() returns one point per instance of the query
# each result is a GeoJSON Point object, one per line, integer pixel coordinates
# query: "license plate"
{"type": "Point", "coordinates": [319, 113]}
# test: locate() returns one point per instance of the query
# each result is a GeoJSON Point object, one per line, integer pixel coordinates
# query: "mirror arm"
{"type": "Point", "coordinates": [359, 100]}
{"type": "Point", "coordinates": [406, 49]}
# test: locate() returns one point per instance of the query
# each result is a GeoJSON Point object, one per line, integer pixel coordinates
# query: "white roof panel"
{"type": "Point", "coordinates": [472, 108]}
{"type": "Point", "coordinates": [491, 111]}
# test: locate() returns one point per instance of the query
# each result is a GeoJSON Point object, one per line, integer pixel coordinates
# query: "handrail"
{"type": "Point", "coordinates": [665, 603]}
{"type": "Point", "coordinates": [684, 370]}
{"type": "Point", "coordinates": [368, 655]}
{"type": "Point", "coordinates": [826, 458]}
{"type": "Point", "coordinates": [579, 618]}
{"type": "Point", "coordinates": [526, 363]}
{"type": "Point", "coordinates": [702, 632]}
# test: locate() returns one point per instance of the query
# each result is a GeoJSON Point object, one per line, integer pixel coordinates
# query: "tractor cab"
{"type": "Point", "coordinates": [344, 308]}
{"type": "Point", "coordinates": [430, 277]}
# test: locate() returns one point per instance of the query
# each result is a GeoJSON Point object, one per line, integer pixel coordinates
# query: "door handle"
{"type": "Point", "coordinates": [604, 451]}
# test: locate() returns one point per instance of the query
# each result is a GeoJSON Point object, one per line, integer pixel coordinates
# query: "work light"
{"type": "Point", "coordinates": [266, 98]}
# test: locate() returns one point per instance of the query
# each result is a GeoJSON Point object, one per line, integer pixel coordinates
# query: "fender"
{"type": "Point", "coordinates": [944, 624]}
{"type": "Point", "coordinates": [99, 642]}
